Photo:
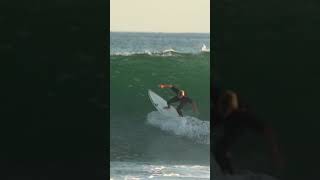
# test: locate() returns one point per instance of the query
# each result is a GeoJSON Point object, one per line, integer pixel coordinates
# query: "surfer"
{"type": "Point", "coordinates": [236, 119]}
{"type": "Point", "coordinates": [180, 96]}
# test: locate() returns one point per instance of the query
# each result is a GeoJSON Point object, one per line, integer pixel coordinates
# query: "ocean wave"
{"type": "Point", "coordinates": [148, 53]}
{"type": "Point", "coordinates": [166, 52]}
{"type": "Point", "coordinates": [190, 127]}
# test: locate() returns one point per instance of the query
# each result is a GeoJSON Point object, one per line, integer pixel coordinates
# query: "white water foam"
{"type": "Point", "coordinates": [190, 127]}
{"type": "Point", "coordinates": [204, 48]}
{"type": "Point", "coordinates": [120, 170]}
{"type": "Point", "coordinates": [165, 53]}
{"type": "Point", "coordinates": [149, 170]}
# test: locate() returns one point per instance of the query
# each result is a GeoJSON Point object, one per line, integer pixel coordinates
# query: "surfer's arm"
{"type": "Point", "coordinates": [172, 100]}
{"type": "Point", "coordinates": [264, 129]}
{"type": "Point", "coordinates": [165, 86]}
{"type": "Point", "coordinates": [194, 107]}
{"type": "Point", "coordinates": [173, 88]}
{"type": "Point", "coordinates": [270, 136]}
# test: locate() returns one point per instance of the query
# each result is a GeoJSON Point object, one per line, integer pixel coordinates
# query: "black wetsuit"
{"type": "Point", "coordinates": [183, 101]}
{"type": "Point", "coordinates": [236, 124]}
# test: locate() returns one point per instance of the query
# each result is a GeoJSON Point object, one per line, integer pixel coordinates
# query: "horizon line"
{"type": "Point", "coordinates": [157, 32]}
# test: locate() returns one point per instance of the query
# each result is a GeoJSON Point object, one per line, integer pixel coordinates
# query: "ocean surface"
{"type": "Point", "coordinates": [144, 144]}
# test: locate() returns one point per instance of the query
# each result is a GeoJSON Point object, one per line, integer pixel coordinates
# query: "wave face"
{"type": "Point", "coordinates": [141, 139]}
{"type": "Point", "coordinates": [134, 125]}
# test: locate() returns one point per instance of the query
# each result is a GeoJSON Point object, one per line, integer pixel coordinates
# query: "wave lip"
{"type": "Point", "coordinates": [169, 50]}
{"type": "Point", "coordinates": [150, 53]}
{"type": "Point", "coordinates": [165, 52]}
{"type": "Point", "coordinates": [190, 127]}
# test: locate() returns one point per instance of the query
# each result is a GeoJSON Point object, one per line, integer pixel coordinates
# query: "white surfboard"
{"type": "Point", "coordinates": [160, 104]}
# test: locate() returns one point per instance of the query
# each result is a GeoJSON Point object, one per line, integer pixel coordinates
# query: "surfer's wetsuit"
{"type": "Point", "coordinates": [183, 101]}
{"type": "Point", "coordinates": [234, 125]}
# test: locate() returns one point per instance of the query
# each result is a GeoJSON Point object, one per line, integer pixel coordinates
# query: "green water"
{"type": "Point", "coordinates": [130, 78]}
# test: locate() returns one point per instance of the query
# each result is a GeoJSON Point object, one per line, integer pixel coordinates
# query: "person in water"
{"type": "Point", "coordinates": [181, 96]}
{"type": "Point", "coordinates": [236, 119]}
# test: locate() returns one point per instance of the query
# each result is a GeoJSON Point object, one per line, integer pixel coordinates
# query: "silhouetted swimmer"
{"type": "Point", "coordinates": [235, 120]}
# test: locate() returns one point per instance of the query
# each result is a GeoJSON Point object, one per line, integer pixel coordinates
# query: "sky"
{"type": "Point", "coordinates": [160, 15]}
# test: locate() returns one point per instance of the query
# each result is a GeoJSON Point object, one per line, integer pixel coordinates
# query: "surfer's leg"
{"type": "Point", "coordinates": [179, 108]}
{"type": "Point", "coordinates": [221, 156]}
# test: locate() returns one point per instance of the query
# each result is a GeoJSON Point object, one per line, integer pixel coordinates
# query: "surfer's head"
{"type": "Point", "coordinates": [229, 102]}
{"type": "Point", "coordinates": [181, 94]}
